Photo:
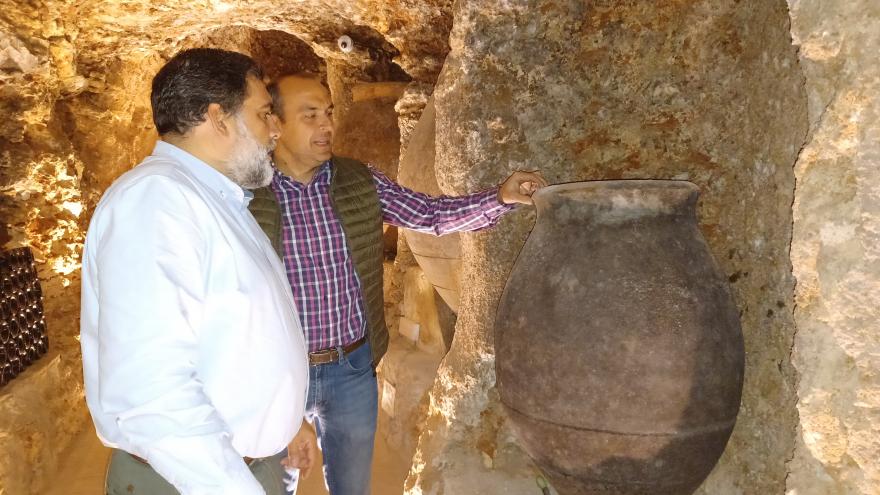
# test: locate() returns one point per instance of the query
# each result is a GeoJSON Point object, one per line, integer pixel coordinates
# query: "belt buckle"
{"type": "Point", "coordinates": [323, 357]}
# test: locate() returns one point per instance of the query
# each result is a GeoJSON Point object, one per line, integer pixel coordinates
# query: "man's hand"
{"type": "Point", "coordinates": [302, 453]}
{"type": "Point", "coordinates": [519, 187]}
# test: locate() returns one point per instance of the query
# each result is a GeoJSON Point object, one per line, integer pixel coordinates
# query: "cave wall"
{"type": "Point", "coordinates": [364, 116]}
{"type": "Point", "coordinates": [708, 91]}
{"type": "Point", "coordinates": [769, 106]}
{"type": "Point", "coordinates": [41, 206]}
{"type": "Point", "coordinates": [835, 251]}
{"type": "Point", "coordinates": [74, 89]}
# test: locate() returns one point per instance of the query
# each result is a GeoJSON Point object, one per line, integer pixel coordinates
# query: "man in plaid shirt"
{"type": "Point", "coordinates": [325, 214]}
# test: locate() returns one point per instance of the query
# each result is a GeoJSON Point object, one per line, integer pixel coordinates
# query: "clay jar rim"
{"type": "Point", "coordinates": [617, 185]}
{"type": "Point", "coordinates": [676, 193]}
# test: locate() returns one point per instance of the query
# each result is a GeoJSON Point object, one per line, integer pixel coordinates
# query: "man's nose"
{"type": "Point", "coordinates": [326, 122]}
{"type": "Point", "coordinates": [274, 128]}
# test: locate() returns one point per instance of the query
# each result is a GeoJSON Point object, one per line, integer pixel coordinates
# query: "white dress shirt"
{"type": "Point", "coordinates": [192, 348]}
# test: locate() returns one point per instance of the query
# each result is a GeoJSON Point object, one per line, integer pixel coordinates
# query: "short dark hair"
{"type": "Point", "coordinates": [275, 92]}
{"type": "Point", "coordinates": [193, 79]}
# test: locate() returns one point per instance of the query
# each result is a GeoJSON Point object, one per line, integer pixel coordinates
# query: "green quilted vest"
{"type": "Point", "coordinates": [356, 204]}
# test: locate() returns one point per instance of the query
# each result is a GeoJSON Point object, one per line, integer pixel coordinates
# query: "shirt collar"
{"type": "Point", "coordinates": [204, 173]}
{"type": "Point", "coordinates": [281, 178]}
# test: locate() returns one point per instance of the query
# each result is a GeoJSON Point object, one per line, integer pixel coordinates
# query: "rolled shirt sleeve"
{"type": "Point", "coordinates": [151, 292]}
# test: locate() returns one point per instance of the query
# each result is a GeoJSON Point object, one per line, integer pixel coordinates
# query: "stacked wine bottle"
{"type": "Point", "coordinates": [22, 325]}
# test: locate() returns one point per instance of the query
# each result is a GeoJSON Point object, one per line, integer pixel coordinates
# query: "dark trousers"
{"type": "Point", "coordinates": [129, 476]}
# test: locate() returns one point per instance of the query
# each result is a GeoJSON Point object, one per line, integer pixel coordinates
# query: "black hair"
{"type": "Point", "coordinates": [193, 79]}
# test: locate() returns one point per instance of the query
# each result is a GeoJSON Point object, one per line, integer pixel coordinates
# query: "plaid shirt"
{"type": "Point", "coordinates": [320, 269]}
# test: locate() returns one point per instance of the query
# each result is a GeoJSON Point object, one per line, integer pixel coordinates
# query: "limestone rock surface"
{"type": "Point", "coordinates": [835, 252]}
{"type": "Point", "coordinates": [74, 101]}
{"type": "Point", "coordinates": [35, 413]}
{"type": "Point", "coordinates": [770, 106]}
{"type": "Point", "coordinates": [707, 91]}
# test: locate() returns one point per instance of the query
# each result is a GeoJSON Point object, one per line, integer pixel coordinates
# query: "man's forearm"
{"type": "Point", "coordinates": [438, 215]}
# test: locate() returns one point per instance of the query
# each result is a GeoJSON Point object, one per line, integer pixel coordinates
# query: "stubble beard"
{"type": "Point", "coordinates": [250, 165]}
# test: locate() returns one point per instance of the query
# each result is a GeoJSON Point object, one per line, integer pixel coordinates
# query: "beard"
{"type": "Point", "coordinates": [250, 165]}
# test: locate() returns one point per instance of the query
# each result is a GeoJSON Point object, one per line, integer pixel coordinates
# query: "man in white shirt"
{"type": "Point", "coordinates": [194, 359]}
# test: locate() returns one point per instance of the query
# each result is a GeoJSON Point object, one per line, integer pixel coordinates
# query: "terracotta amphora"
{"type": "Point", "coordinates": [619, 353]}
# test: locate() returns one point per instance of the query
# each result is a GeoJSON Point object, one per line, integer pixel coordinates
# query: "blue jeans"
{"type": "Point", "coordinates": [343, 406]}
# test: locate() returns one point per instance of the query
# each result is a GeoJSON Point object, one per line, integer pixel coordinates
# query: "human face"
{"type": "Point", "coordinates": [250, 163]}
{"type": "Point", "coordinates": [307, 127]}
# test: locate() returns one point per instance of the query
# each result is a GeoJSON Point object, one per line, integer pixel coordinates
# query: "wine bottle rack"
{"type": "Point", "coordinates": [22, 325]}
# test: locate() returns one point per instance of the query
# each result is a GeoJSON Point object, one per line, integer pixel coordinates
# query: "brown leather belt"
{"type": "Point", "coordinates": [247, 460]}
{"type": "Point", "coordinates": [332, 355]}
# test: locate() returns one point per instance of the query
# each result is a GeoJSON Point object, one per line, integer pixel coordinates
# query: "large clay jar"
{"type": "Point", "coordinates": [619, 350]}
{"type": "Point", "coordinates": [439, 257]}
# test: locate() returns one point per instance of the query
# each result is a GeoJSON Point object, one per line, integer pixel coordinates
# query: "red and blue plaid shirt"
{"type": "Point", "coordinates": [321, 273]}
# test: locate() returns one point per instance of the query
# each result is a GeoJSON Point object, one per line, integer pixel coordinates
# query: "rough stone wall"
{"type": "Point", "coordinates": [277, 52]}
{"type": "Point", "coordinates": [366, 127]}
{"type": "Point", "coordinates": [96, 59]}
{"type": "Point", "coordinates": [707, 91]}
{"type": "Point", "coordinates": [381, 30]}
{"type": "Point", "coordinates": [41, 206]}
{"type": "Point", "coordinates": [835, 251]}
{"type": "Point", "coordinates": [74, 88]}
{"type": "Point", "coordinates": [408, 369]}
{"type": "Point", "coordinates": [370, 134]}
{"type": "Point", "coordinates": [26, 435]}
{"type": "Point", "coordinates": [409, 109]}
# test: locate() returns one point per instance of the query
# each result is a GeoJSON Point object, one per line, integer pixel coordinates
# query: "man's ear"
{"type": "Point", "coordinates": [216, 117]}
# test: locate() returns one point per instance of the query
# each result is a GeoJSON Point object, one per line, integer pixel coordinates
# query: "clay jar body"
{"type": "Point", "coordinates": [439, 257]}
{"type": "Point", "coordinates": [619, 354]}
